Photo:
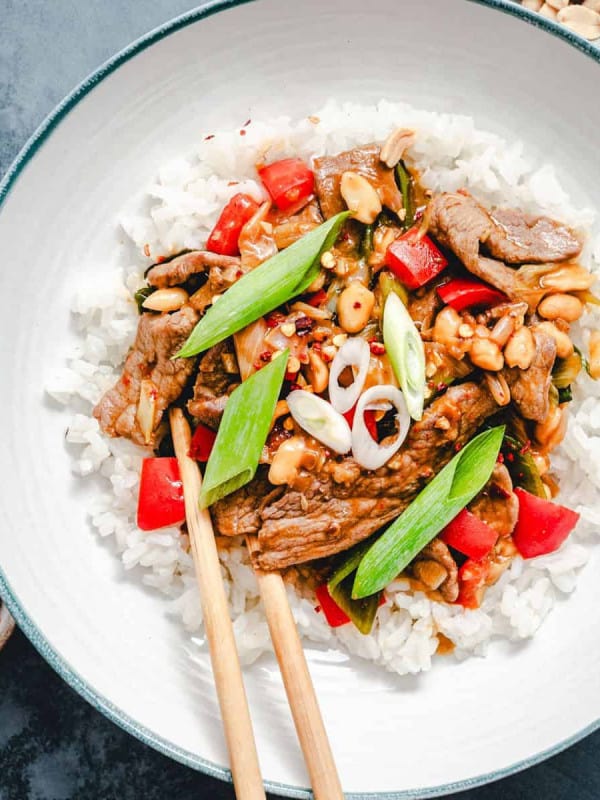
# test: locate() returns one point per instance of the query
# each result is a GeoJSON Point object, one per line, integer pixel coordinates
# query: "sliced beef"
{"type": "Point", "coordinates": [214, 384]}
{"type": "Point", "coordinates": [159, 337]}
{"type": "Point", "coordinates": [220, 278]}
{"type": "Point", "coordinates": [530, 388]}
{"type": "Point", "coordinates": [366, 162]}
{"type": "Point", "coordinates": [423, 306]}
{"type": "Point", "coordinates": [497, 504]}
{"type": "Point", "coordinates": [178, 270]}
{"type": "Point", "coordinates": [445, 580]}
{"type": "Point", "coordinates": [518, 238]}
{"type": "Point", "coordinates": [319, 516]}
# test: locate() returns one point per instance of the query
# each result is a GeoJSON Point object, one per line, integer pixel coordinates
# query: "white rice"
{"type": "Point", "coordinates": [177, 211]}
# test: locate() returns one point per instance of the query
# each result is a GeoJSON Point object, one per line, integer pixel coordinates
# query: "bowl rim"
{"type": "Point", "coordinates": [28, 626]}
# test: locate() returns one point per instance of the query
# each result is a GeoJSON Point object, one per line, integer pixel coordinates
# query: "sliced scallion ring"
{"type": "Point", "coordinates": [353, 353]}
{"type": "Point", "coordinates": [405, 349]}
{"type": "Point", "coordinates": [366, 451]}
{"type": "Point", "coordinates": [319, 418]}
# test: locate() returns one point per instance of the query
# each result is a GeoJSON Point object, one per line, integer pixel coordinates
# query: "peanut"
{"type": "Point", "coordinates": [595, 354]}
{"type": "Point", "coordinates": [317, 372]}
{"type": "Point", "coordinates": [287, 461]}
{"type": "Point", "coordinates": [486, 355]}
{"type": "Point", "coordinates": [166, 299]}
{"type": "Point", "coordinates": [446, 326]}
{"type": "Point", "coordinates": [560, 306]}
{"type": "Point", "coordinates": [520, 349]}
{"type": "Point", "coordinates": [564, 345]}
{"type": "Point", "coordinates": [354, 307]}
{"type": "Point", "coordinates": [360, 197]}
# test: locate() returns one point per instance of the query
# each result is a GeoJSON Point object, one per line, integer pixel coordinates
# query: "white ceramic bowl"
{"type": "Point", "coordinates": [459, 725]}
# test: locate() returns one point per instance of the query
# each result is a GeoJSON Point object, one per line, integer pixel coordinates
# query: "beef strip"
{"type": "Point", "coordinates": [363, 160]}
{"type": "Point", "coordinates": [438, 551]}
{"type": "Point", "coordinates": [497, 505]}
{"type": "Point", "coordinates": [423, 305]}
{"type": "Point", "coordinates": [530, 388]}
{"type": "Point", "coordinates": [518, 238]}
{"type": "Point", "coordinates": [213, 385]}
{"type": "Point", "coordinates": [159, 337]}
{"type": "Point", "coordinates": [181, 268]}
{"type": "Point", "coordinates": [318, 516]}
{"type": "Point", "coordinates": [461, 224]}
{"type": "Point", "coordinates": [220, 278]}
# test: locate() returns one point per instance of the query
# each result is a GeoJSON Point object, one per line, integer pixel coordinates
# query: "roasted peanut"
{"type": "Point", "coordinates": [582, 20]}
{"type": "Point", "coordinates": [360, 197]}
{"type": "Point", "coordinates": [395, 145]}
{"type": "Point", "coordinates": [498, 388]}
{"type": "Point", "coordinates": [570, 278]}
{"type": "Point", "coordinates": [166, 299]}
{"type": "Point", "coordinates": [317, 372]}
{"type": "Point", "coordinates": [430, 573]}
{"type": "Point", "coordinates": [287, 461]}
{"type": "Point", "coordinates": [548, 11]}
{"type": "Point", "coordinates": [550, 433]}
{"type": "Point", "coordinates": [520, 349]}
{"type": "Point", "coordinates": [502, 330]}
{"type": "Point", "coordinates": [533, 5]}
{"type": "Point", "coordinates": [558, 4]}
{"type": "Point", "coordinates": [354, 307]}
{"type": "Point", "coordinates": [560, 306]}
{"type": "Point", "coordinates": [595, 354]}
{"type": "Point", "coordinates": [446, 326]}
{"type": "Point", "coordinates": [486, 354]}
{"type": "Point", "coordinates": [564, 345]}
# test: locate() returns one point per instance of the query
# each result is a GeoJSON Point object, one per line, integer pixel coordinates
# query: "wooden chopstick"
{"type": "Point", "coordinates": [239, 735]}
{"type": "Point", "coordinates": [299, 687]}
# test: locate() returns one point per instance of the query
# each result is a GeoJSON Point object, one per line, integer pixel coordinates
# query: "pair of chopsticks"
{"type": "Point", "coordinates": [300, 691]}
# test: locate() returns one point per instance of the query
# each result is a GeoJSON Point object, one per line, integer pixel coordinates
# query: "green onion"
{"type": "Point", "coordinates": [566, 370]}
{"type": "Point", "coordinates": [439, 502]}
{"type": "Point", "coordinates": [366, 245]}
{"type": "Point", "coordinates": [404, 346]}
{"type": "Point", "coordinates": [388, 283]}
{"type": "Point", "coordinates": [565, 394]}
{"type": "Point", "coordinates": [141, 295]}
{"type": "Point", "coordinates": [522, 467]}
{"type": "Point", "coordinates": [271, 284]}
{"type": "Point", "coordinates": [404, 178]}
{"type": "Point", "coordinates": [584, 362]}
{"type": "Point", "coordinates": [243, 432]}
{"type": "Point", "coordinates": [361, 612]}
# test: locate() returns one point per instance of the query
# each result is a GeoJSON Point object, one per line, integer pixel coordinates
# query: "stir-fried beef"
{"type": "Point", "coordinates": [459, 223]}
{"type": "Point", "coordinates": [497, 505]}
{"type": "Point", "coordinates": [445, 579]}
{"type": "Point", "coordinates": [423, 305]}
{"type": "Point", "coordinates": [159, 337]}
{"type": "Point", "coordinates": [530, 388]}
{"type": "Point", "coordinates": [366, 162]}
{"type": "Point", "coordinates": [318, 517]}
{"type": "Point", "coordinates": [181, 268]}
{"type": "Point", "coordinates": [214, 384]}
{"type": "Point", "coordinates": [220, 278]}
{"type": "Point", "coordinates": [518, 238]}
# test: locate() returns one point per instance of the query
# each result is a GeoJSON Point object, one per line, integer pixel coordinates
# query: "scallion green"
{"type": "Point", "coordinates": [439, 502]}
{"type": "Point", "coordinates": [361, 612]}
{"type": "Point", "coordinates": [404, 347]}
{"type": "Point", "coordinates": [243, 432]}
{"type": "Point", "coordinates": [271, 284]}
{"type": "Point", "coordinates": [404, 178]}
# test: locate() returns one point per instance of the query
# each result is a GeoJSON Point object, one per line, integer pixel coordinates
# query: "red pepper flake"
{"type": "Point", "coordinates": [147, 250]}
{"type": "Point", "coordinates": [242, 132]}
{"type": "Point", "coordinates": [273, 320]}
{"type": "Point", "coordinates": [458, 447]}
{"type": "Point", "coordinates": [500, 459]}
{"type": "Point", "coordinates": [357, 305]}
{"type": "Point", "coordinates": [317, 609]}
{"type": "Point", "coordinates": [526, 447]}
{"type": "Point", "coordinates": [290, 376]}
{"type": "Point", "coordinates": [441, 386]}
{"type": "Point", "coordinates": [377, 348]}
{"type": "Point", "coordinates": [266, 356]}
{"type": "Point", "coordinates": [239, 273]}
{"type": "Point", "coordinates": [232, 183]}
{"type": "Point", "coordinates": [317, 347]}
{"type": "Point", "coordinates": [304, 325]}
{"type": "Point", "coordinates": [510, 457]}
{"type": "Point", "coordinates": [160, 259]}
{"type": "Point", "coordinates": [210, 136]}
{"type": "Point", "coordinates": [295, 386]}
{"type": "Point", "coordinates": [248, 121]}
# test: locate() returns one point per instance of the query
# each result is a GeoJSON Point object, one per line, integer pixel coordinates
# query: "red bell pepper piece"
{"type": "Point", "coordinates": [288, 181]}
{"type": "Point", "coordinates": [469, 535]}
{"type": "Point", "coordinates": [414, 258]}
{"type": "Point", "coordinates": [333, 613]}
{"type": "Point", "coordinates": [160, 501]}
{"type": "Point", "coordinates": [224, 236]}
{"type": "Point", "coordinates": [370, 421]}
{"type": "Point", "coordinates": [471, 580]}
{"type": "Point", "coordinates": [542, 526]}
{"type": "Point", "coordinates": [460, 293]}
{"type": "Point", "coordinates": [202, 443]}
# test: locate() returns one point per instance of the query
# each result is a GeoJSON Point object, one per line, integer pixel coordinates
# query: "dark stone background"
{"type": "Point", "coordinates": [53, 746]}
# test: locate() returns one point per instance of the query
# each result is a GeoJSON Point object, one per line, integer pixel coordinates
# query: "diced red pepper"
{"type": "Point", "coordinates": [542, 526]}
{"type": "Point", "coordinates": [224, 236]}
{"type": "Point", "coordinates": [288, 181]}
{"type": "Point", "coordinates": [202, 443]}
{"type": "Point", "coordinates": [333, 613]}
{"type": "Point", "coordinates": [469, 535]}
{"type": "Point", "coordinates": [160, 501]}
{"type": "Point", "coordinates": [370, 421]}
{"type": "Point", "coordinates": [471, 580]}
{"type": "Point", "coordinates": [415, 259]}
{"type": "Point", "coordinates": [462, 293]}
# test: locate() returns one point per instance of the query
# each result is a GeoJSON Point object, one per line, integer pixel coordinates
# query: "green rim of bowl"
{"type": "Point", "coordinates": [27, 625]}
